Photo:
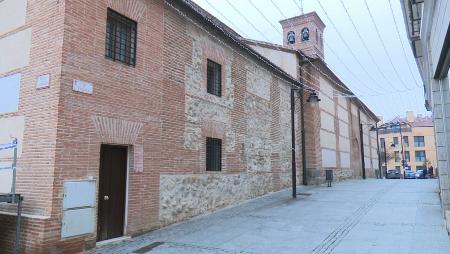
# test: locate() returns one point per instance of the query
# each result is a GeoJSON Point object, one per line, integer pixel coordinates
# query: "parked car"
{"type": "Point", "coordinates": [420, 174]}
{"type": "Point", "coordinates": [393, 174]}
{"type": "Point", "coordinates": [409, 174]}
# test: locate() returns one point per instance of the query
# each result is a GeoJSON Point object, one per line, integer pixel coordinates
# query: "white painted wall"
{"type": "Point", "coordinates": [327, 121]}
{"type": "Point", "coordinates": [328, 158]}
{"type": "Point", "coordinates": [15, 51]}
{"type": "Point", "coordinates": [285, 60]}
{"type": "Point", "coordinates": [327, 139]}
{"type": "Point", "coordinates": [345, 160]}
{"type": "Point", "coordinates": [12, 14]}
{"type": "Point", "coordinates": [344, 144]}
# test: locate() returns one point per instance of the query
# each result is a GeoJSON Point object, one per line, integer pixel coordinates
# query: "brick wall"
{"type": "Point", "coordinates": [160, 106]}
{"type": "Point", "coordinates": [151, 105]}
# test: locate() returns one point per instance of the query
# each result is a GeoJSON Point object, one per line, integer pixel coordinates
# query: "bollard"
{"type": "Point", "coordinates": [329, 176]}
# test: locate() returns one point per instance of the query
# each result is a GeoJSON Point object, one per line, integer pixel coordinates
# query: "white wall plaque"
{"type": "Point", "coordinates": [43, 81]}
{"type": "Point", "coordinates": [82, 86]}
{"type": "Point", "coordinates": [138, 158]}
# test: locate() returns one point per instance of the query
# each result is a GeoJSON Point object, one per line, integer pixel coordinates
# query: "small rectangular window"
{"type": "Point", "coordinates": [213, 154]}
{"type": "Point", "coordinates": [397, 156]}
{"type": "Point", "coordinates": [120, 42]}
{"type": "Point", "coordinates": [9, 93]}
{"type": "Point", "coordinates": [396, 141]}
{"type": "Point", "coordinates": [214, 78]}
{"type": "Point", "coordinates": [405, 141]}
{"type": "Point", "coordinates": [420, 156]}
{"type": "Point", "coordinates": [419, 141]}
{"type": "Point", "coordinates": [407, 156]}
{"type": "Point", "coordinates": [382, 144]}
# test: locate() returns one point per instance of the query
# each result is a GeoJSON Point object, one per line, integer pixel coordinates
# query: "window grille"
{"type": "Point", "coordinates": [120, 38]}
{"type": "Point", "coordinates": [213, 154]}
{"type": "Point", "coordinates": [214, 78]}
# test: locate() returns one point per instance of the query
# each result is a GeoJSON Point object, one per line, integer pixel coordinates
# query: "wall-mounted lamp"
{"type": "Point", "coordinates": [313, 99]}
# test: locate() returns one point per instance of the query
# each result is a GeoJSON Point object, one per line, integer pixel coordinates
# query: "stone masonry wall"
{"type": "Point", "coordinates": [252, 117]}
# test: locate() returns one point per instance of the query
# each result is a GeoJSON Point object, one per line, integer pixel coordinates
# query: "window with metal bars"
{"type": "Point", "coordinates": [214, 78]}
{"type": "Point", "coordinates": [213, 154]}
{"type": "Point", "coordinates": [120, 38]}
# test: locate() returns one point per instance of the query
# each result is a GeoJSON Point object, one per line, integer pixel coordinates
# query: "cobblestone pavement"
{"type": "Point", "coordinates": [358, 216]}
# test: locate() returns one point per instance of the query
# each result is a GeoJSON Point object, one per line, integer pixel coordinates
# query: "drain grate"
{"type": "Point", "coordinates": [147, 248]}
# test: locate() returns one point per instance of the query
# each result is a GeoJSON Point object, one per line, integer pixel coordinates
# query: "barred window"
{"type": "Point", "coordinates": [214, 78]}
{"type": "Point", "coordinates": [213, 154]}
{"type": "Point", "coordinates": [120, 38]}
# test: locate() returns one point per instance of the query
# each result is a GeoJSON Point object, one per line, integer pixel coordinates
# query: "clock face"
{"type": "Point", "coordinates": [305, 34]}
{"type": "Point", "coordinates": [291, 37]}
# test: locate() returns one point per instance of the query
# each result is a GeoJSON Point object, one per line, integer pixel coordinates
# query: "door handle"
{"type": "Point", "coordinates": [105, 197]}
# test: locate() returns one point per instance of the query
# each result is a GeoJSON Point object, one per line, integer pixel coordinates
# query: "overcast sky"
{"type": "Point", "coordinates": [387, 92]}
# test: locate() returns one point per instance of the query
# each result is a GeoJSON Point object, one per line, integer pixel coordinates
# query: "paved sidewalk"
{"type": "Point", "coordinates": [358, 216]}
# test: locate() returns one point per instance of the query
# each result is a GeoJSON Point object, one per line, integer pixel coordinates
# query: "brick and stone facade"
{"type": "Point", "coordinates": [159, 109]}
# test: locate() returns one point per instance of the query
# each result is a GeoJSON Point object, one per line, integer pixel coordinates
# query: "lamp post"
{"type": "Point", "coordinates": [313, 100]}
{"type": "Point", "coordinates": [401, 143]}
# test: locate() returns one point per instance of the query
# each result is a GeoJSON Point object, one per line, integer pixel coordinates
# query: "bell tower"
{"type": "Point", "coordinates": [304, 32]}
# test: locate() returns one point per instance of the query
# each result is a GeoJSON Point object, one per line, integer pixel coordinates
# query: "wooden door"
{"type": "Point", "coordinates": [111, 194]}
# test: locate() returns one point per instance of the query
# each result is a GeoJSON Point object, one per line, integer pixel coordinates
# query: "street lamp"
{"type": "Point", "coordinates": [313, 100]}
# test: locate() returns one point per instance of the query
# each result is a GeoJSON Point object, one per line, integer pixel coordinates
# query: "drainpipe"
{"type": "Point", "coordinates": [302, 121]}
{"type": "Point", "coordinates": [361, 137]}
{"type": "Point", "coordinates": [294, 166]}
{"type": "Point", "coordinates": [378, 150]}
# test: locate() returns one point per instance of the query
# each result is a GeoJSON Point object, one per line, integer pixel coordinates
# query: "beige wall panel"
{"type": "Point", "coordinates": [342, 101]}
{"type": "Point", "coordinates": [375, 163]}
{"type": "Point", "coordinates": [326, 88]}
{"type": "Point", "coordinates": [345, 160]}
{"type": "Point", "coordinates": [282, 59]}
{"type": "Point", "coordinates": [15, 51]}
{"type": "Point", "coordinates": [327, 104]}
{"type": "Point", "coordinates": [354, 109]}
{"type": "Point", "coordinates": [364, 118]}
{"type": "Point", "coordinates": [12, 15]}
{"type": "Point", "coordinates": [344, 144]}
{"type": "Point", "coordinates": [342, 114]}
{"type": "Point", "coordinates": [344, 129]}
{"type": "Point", "coordinates": [328, 158]}
{"type": "Point", "coordinates": [327, 121]}
{"type": "Point", "coordinates": [367, 162]}
{"type": "Point", "coordinates": [327, 139]}
{"type": "Point", "coordinates": [365, 138]}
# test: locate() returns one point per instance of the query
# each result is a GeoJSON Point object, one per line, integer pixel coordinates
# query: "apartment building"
{"type": "Point", "coordinates": [132, 115]}
{"type": "Point", "coordinates": [414, 147]}
{"type": "Point", "coordinates": [428, 28]}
